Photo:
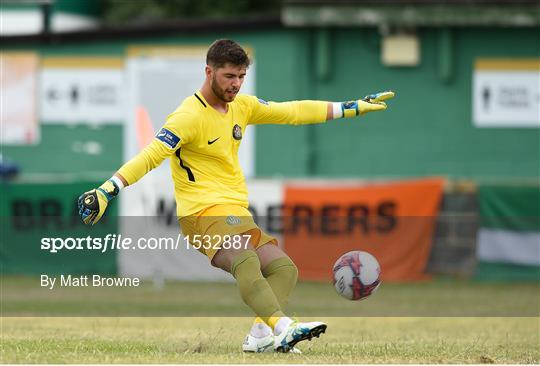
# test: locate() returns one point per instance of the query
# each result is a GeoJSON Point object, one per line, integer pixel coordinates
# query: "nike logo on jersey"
{"type": "Point", "coordinates": [210, 142]}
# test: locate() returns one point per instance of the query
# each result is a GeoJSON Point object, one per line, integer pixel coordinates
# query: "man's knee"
{"type": "Point", "coordinates": [245, 261]}
{"type": "Point", "coordinates": [268, 253]}
{"type": "Point", "coordinates": [283, 266]}
{"type": "Point", "coordinates": [253, 287]}
{"type": "Point", "coordinates": [224, 257]}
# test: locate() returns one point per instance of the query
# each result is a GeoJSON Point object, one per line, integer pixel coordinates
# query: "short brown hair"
{"type": "Point", "coordinates": [225, 51]}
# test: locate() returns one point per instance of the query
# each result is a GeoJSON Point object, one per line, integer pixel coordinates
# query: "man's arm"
{"type": "Point", "coordinates": [311, 111]}
{"type": "Point", "coordinates": [370, 103]}
{"type": "Point", "coordinates": [92, 204]}
{"type": "Point", "coordinates": [122, 179]}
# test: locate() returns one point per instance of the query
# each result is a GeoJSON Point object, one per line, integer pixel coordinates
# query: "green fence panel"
{"type": "Point", "coordinates": [33, 212]}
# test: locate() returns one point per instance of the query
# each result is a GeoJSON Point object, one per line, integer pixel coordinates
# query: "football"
{"type": "Point", "coordinates": [356, 275]}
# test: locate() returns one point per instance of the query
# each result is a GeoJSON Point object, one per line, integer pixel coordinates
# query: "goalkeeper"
{"type": "Point", "coordinates": [201, 138]}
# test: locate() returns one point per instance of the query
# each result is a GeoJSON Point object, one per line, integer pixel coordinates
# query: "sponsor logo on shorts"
{"type": "Point", "coordinates": [233, 220]}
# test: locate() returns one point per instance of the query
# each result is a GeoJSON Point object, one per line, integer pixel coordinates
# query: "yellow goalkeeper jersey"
{"type": "Point", "coordinates": [202, 145]}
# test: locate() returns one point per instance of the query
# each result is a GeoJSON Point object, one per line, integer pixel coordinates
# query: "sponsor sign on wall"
{"type": "Point", "coordinates": [393, 221]}
{"type": "Point", "coordinates": [35, 217]}
{"type": "Point", "coordinates": [506, 93]}
{"type": "Point", "coordinates": [82, 90]}
{"type": "Point", "coordinates": [18, 91]}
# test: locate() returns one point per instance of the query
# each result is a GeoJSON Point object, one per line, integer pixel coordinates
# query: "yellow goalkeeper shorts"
{"type": "Point", "coordinates": [223, 226]}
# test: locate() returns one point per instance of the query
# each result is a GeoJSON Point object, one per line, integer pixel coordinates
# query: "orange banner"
{"type": "Point", "coordinates": [392, 221]}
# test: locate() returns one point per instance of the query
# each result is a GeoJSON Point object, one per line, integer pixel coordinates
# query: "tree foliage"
{"type": "Point", "coordinates": [146, 11]}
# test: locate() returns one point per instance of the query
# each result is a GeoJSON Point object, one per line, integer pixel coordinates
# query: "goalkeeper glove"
{"type": "Point", "coordinates": [379, 98]}
{"type": "Point", "coordinates": [370, 103]}
{"type": "Point", "coordinates": [92, 204]}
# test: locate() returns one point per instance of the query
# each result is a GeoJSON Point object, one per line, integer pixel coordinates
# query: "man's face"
{"type": "Point", "coordinates": [226, 81]}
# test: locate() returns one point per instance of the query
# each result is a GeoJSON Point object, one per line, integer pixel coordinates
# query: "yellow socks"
{"type": "Point", "coordinates": [254, 288]}
{"type": "Point", "coordinates": [281, 274]}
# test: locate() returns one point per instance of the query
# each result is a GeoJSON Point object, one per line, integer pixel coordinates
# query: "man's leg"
{"type": "Point", "coordinates": [244, 265]}
{"type": "Point", "coordinates": [281, 274]}
{"type": "Point", "coordinates": [279, 270]}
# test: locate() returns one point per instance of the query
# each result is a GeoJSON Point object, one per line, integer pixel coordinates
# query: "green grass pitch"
{"type": "Point", "coordinates": [432, 322]}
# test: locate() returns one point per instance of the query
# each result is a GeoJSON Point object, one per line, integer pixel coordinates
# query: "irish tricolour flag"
{"type": "Point", "coordinates": [509, 236]}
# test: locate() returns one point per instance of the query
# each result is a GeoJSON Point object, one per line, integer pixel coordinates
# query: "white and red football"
{"type": "Point", "coordinates": [356, 275]}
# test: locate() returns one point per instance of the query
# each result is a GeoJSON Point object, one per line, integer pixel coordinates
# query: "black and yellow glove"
{"type": "Point", "coordinates": [370, 103]}
{"type": "Point", "coordinates": [92, 204]}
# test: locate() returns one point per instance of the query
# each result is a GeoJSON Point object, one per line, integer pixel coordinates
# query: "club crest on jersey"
{"type": "Point", "coordinates": [237, 132]}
